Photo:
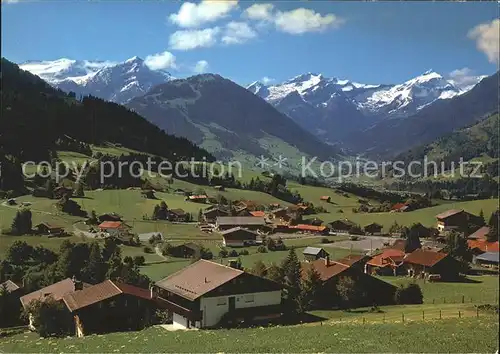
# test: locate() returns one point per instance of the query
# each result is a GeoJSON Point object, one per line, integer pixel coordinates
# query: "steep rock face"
{"type": "Point", "coordinates": [209, 107]}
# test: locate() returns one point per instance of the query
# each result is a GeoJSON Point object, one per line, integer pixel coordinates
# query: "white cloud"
{"type": "Point", "coordinates": [303, 20]}
{"type": "Point", "coordinates": [267, 80]}
{"type": "Point", "coordinates": [192, 39]}
{"type": "Point", "coordinates": [192, 15]}
{"type": "Point", "coordinates": [237, 33]}
{"type": "Point", "coordinates": [464, 79]}
{"type": "Point", "coordinates": [201, 67]}
{"type": "Point", "coordinates": [259, 12]}
{"type": "Point", "coordinates": [160, 61]}
{"type": "Point", "coordinates": [10, 1]}
{"type": "Point", "coordinates": [487, 39]}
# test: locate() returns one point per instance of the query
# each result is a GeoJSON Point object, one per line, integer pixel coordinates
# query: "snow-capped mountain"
{"type": "Point", "coordinates": [116, 82]}
{"type": "Point", "coordinates": [332, 107]}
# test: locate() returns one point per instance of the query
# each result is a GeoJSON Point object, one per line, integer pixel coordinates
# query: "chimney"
{"type": "Point", "coordinates": [152, 293]}
{"type": "Point", "coordinates": [327, 260]}
{"type": "Point", "coordinates": [78, 285]}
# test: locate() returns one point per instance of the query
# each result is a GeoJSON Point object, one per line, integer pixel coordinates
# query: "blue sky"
{"type": "Point", "coordinates": [367, 42]}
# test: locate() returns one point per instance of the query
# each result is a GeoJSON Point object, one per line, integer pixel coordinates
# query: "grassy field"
{"type": "Point", "coordinates": [479, 289]}
{"type": "Point", "coordinates": [439, 336]}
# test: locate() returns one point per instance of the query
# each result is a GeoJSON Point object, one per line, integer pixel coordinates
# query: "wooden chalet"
{"type": "Point", "coordinates": [357, 261]}
{"type": "Point", "coordinates": [202, 198]}
{"type": "Point", "coordinates": [341, 225]}
{"type": "Point", "coordinates": [314, 253]}
{"type": "Point", "coordinates": [373, 229]}
{"type": "Point", "coordinates": [176, 215]}
{"type": "Point", "coordinates": [207, 294]}
{"type": "Point", "coordinates": [109, 306]}
{"type": "Point", "coordinates": [388, 262]}
{"type": "Point", "coordinates": [186, 250]}
{"type": "Point", "coordinates": [374, 290]}
{"type": "Point", "coordinates": [238, 237]}
{"type": "Point", "coordinates": [248, 222]}
{"type": "Point", "coordinates": [45, 228]}
{"type": "Point", "coordinates": [109, 217]}
{"type": "Point", "coordinates": [480, 234]}
{"type": "Point", "coordinates": [210, 214]}
{"type": "Point", "coordinates": [456, 219]}
{"type": "Point", "coordinates": [422, 263]}
{"type": "Point", "coordinates": [321, 230]}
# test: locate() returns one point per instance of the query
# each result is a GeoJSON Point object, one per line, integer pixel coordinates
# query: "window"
{"type": "Point", "coordinates": [221, 301]}
{"type": "Point", "coordinates": [249, 298]}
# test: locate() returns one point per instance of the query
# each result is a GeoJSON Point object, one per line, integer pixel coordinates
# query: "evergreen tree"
{"type": "Point", "coordinates": [79, 190]}
{"type": "Point", "coordinates": [200, 215]}
{"type": "Point", "coordinates": [259, 269]}
{"type": "Point", "coordinates": [95, 269]}
{"type": "Point", "coordinates": [115, 265]}
{"type": "Point", "coordinates": [292, 281]}
{"type": "Point", "coordinates": [22, 223]}
{"type": "Point", "coordinates": [493, 224]}
{"type": "Point", "coordinates": [310, 290]}
{"type": "Point", "coordinates": [275, 273]}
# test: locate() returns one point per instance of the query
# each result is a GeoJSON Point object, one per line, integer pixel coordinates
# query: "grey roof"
{"type": "Point", "coordinates": [488, 256]}
{"type": "Point", "coordinates": [240, 220]}
{"type": "Point", "coordinates": [312, 250]}
{"type": "Point", "coordinates": [229, 231]}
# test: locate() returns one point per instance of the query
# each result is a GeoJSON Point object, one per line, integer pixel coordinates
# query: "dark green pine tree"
{"type": "Point", "coordinates": [292, 281]}
{"type": "Point", "coordinates": [115, 265]}
{"type": "Point", "coordinates": [95, 269]}
{"type": "Point", "coordinates": [310, 295]}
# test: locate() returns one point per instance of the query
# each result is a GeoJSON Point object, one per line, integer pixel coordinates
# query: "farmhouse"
{"type": "Point", "coordinates": [109, 217]}
{"type": "Point", "coordinates": [202, 198]}
{"type": "Point", "coordinates": [55, 291]}
{"type": "Point", "coordinates": [314, 253]}
{"type": "Point", "coordinates": [455, 219]}
{"type": "Point", "coordinates": [210, 214]}
{"type": "Point", "coordinates": [176, 215]}
{"type": "Point", "coordinates": [325, 198]}
{"type": "Point", "coordinates": [357, 261]}
{"type": "Point", "coordinates": [399, 208]}
{"type": "Point", "coordinates": [45, 228]}
{"type": "Point", "coordinates": [375, 290]}
{"type": "Point", "coordinates": [422, 263]}
{"type": "Point", "coordinates": [238, 237]}
{"type": "Point", "coordinates": [208, 294]}
{"type": "Point", "coordinates": [279, 213]}
{"type": "Point", "coordinates": [341, 225]}
{"type": "Point", "coordinates": [482, 246]}
{"type": "Point", "coordinates": [480, 234]}
{"type": "Point", "coordinates": [323, 230]}
{"type": "Point", "coordinates": [487, 259]}
{"type": "Point", "coordinates": [109, 306]}
{"type": "Point", "coordinates": [389, 262]}
{"type": "Point", "coordinates": [187, 250]}
{"type": "Point", "coordinates": [113, 228]}
{"type": "Point", "coordinates": [249, 222]}
{"type": "Point", "coordinates": [373, 228]}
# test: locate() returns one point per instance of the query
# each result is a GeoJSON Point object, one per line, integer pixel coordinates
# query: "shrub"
{"type": "Point", "coordinates": [223, 253]}
{"type": "Point", "coordinates": [326, 240]}
{"type": "Point", "coordinates": [262, 249]}
{"type": "Point", "coordinates": [233, 253]}
{"type": "Point", "coordinates": [147, 249]}
{"type": "Point", "coordinates": [139, 260]}
{"type": "Point", "coordinates": [243, 253]}
{"type": "Point", "coordinates": [410, 294]}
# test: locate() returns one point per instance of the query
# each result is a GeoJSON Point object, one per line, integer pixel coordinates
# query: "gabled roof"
{"type": "Point", "coordinates": [110, 225]}
{"type": "Point", "coordinates": [483, 245]}
{"type": "Point", "coordinates": [480, 234]}
{"type": "Point", "coordinates": [56, 291]}
{"type": "Point", "coordinates": [10, 286]}
{"type": "Point", "coordinates": [351, 259]}
{"type": "Point", "coordinates": [177, 211]}
{"type": "Point", "coordinates": [398, 206]}
{"type": "Point", "coordinates": [240, 220]}
{"type": "Point", "coordinates": [201, 196]}
{"type": "Point", "coordinates": [324, 197]}
{"type": "Point", "coordinates": [425, 257]}
{"type": "Point", "coordinates": [399, 244]}
{"type": "Point", "coordinates": [49, 226]}
{"type": "Point", "coordinates": [198, 279]}
{"type": "Point", "coordinates": [102, 291]}
{"type": "Point", "coordinates": [313, 250]}
{"type": "Point", "coordinates": [388, 257]}
{"type": "Point", "coordinates": [489, 256]}
{"type": "Point", "coordinates": [325, 271]}
{"type": "Point", "coordinates": [306, 227]}
{"type": "Point", "coordinates": [449, 213]}
{"type": "Point", "coordinates": [238, 228]}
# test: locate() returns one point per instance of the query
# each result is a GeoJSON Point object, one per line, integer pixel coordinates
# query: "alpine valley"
{"type": "Point", "coordinates": [309, 114]}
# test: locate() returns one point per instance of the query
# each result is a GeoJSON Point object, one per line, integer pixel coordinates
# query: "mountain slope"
{"type": "Point", "coordinates": [333, 109]}
{"type": "Point", "coordinates": [392, 137]}
{"type": "Point", "coordinates": [35, 116]}
{"type": "Point", "coordinates": [478, 141]}
{"type": "Point", "coordinates": [116, 82]}
{"type": "Point", "coordinates": [211, 110]}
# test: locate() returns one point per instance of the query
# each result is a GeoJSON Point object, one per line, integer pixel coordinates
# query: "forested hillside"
{"type": "Point", "coordinates": [36, 119]}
